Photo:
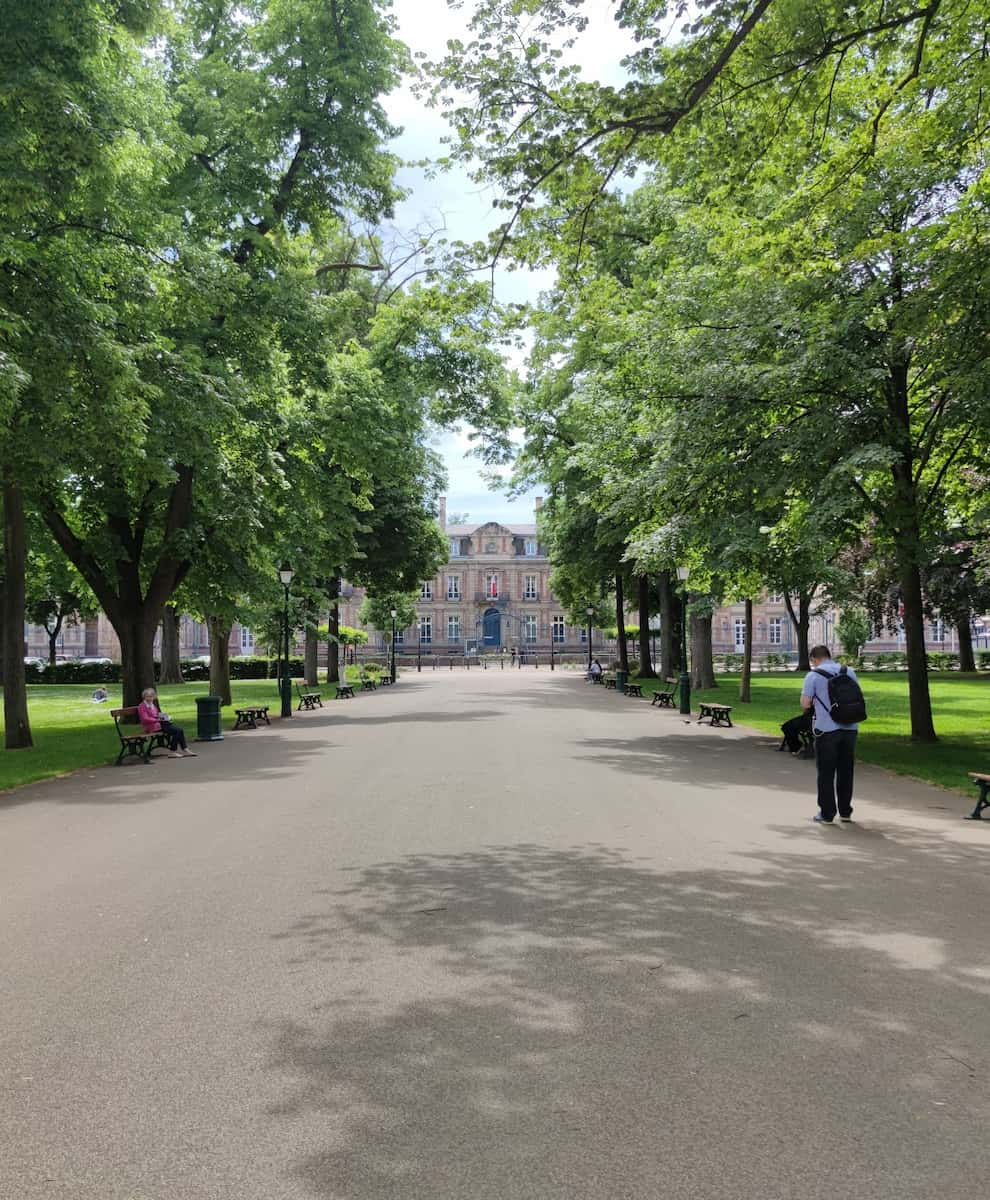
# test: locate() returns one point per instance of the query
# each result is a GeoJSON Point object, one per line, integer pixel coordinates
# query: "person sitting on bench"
{"type": "Point", "coordinates": [793, 731]}
{"type": "Point", "coordinates": [595, 670]}
{"type": "Point", "coordinates": [153, 720]}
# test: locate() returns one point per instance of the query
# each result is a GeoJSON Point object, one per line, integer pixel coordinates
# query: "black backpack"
{"type": "Point", "coordinates": [847, 705]}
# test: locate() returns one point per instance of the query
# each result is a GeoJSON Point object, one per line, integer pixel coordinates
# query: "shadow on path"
{"type": "Point", "coordinates": [558, 1023]}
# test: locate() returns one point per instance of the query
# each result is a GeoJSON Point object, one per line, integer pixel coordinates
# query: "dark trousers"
{"type": "Point", "coordinates": [175, 734]}
{"type": "Point", "coordinates": [835, 754]}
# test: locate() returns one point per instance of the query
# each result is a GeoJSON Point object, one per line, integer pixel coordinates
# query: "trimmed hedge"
{"type": "Point", "coordinates": [193, 671]}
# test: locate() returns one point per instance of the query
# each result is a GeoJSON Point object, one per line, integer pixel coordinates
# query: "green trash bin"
{"type": "Point", "coordinates": [208, 727]}
{"type": "Point", "coordinates": [621, 679]}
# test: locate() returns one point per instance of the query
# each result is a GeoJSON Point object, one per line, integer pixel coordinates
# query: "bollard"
{"type": "Point", "coordinates": [452, 664]}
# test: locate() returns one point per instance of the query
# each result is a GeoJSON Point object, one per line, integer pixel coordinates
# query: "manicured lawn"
{"type": "Point", "coordinates": [961, 704]}
{"type": "Point", "coordinates": [71, 732]}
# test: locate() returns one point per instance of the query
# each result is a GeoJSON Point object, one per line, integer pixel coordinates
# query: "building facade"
{"type": "Point", "coordinates": [492, 594]}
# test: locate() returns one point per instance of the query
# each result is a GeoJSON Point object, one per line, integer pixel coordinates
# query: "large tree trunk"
{"type": "Point", "coordinates": [964, 632]}
{"type": "Point", "coordinates": [333, 646]}
{"type": "Point", "coordinates": [801, 620]}
{"type": "Point", "coordinates": [311, 648]}
{"type": "Point", "coordinates": [132, 608]}
{"type": "Point", "coordinates": [902, 517]}
{"type": "Point", "coordinates": [171, 669]}
{"type": "Point", "coordinates": [136, 634]}
{"type": "Point", "coordinates": [919, 698]}
{"type": "Point", "coordinates": [702, 664]}
{"type": "Point", "coordinates": [668, 626]}
{"type": "Point", "coordinates": [53, 644]}
{"type": "Point", "coordinates": [620, 624]}
{"type": "Point", "coordinates": [17, 725]}
{"type": "Point", "coordinates": [219, 629]}
{"type": "Point", "coordinates": [646, 670]}
{"type": "Point", "coordinates": [745, 691]}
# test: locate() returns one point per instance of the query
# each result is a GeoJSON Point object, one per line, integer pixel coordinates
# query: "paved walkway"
{"type": "Point", "coordinates": [490, 936]}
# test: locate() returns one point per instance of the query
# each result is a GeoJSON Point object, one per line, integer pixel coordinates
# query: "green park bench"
{"type": "Point", "coordinates": [664, 697]}
{"type": "Point", "coordinates": [717, 714]}
{"type": "Point", "coordinates": [609, 682]}
{"type": "Point", "coordinates": [135, 745]}
{"type": "Point", "coordinates": [345, 691]}
{"type": "Point", "coordinates": [308, 699]}
{"type": "Point", "coordinates": [248, 718]}
{"type": "Point", "coordinates": [633, 689]}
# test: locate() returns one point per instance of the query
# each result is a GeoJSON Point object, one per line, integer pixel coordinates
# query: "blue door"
{"type": "Point", "coordinates": [493, 628]}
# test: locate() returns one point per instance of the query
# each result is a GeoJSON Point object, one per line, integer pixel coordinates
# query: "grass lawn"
{"type": "Point", "coordinates": [961, 704]}
{"type": "Point", "coordinates": [71, 732]}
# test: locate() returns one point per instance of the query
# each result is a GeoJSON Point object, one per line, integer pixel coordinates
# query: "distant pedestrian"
{"type": "Point", "coordinates": [512, 659]}
{"type": "Point", "coordinates": [832, 694]}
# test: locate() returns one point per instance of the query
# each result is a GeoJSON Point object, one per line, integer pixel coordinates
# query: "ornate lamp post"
{"type": "Point", "coordinates": [285, 574]}
{"type": "Point", "coordinates": [591, 612]}
{"type": "Point", "coordinates": [395, 613]}
{"type": "Point", "coordinates": [419, 643]}
{"type": "Point", "coordinates": [551, 642]}
{"type": "Point", "coordinates": [684, 679]}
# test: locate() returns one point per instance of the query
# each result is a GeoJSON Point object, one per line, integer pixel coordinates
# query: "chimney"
{"type": "Point", "coordinates": [443, 512]}
{"type": "Point", "coordinates": [538, 503]}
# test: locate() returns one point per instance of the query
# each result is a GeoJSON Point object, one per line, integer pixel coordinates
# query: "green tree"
{"type": "Point", "coordinates": [56, 594]}
{"type": "Point", "coordinates": [853, 630]}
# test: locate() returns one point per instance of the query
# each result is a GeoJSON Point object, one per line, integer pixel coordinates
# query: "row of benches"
{"type": "Point", "coordinates": [142, 745]}
{"type": "Point", "coordinates": [664, 697]}
{"type": "Point", "coordinates": [248, 717]}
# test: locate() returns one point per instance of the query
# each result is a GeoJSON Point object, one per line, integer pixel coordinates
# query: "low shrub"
{"type": "Point", "coordinates": [253, 666]}
{"type": "Point", "coordinates": [943, 661]}
{"type": "Point", "coordinates": [73, 672]}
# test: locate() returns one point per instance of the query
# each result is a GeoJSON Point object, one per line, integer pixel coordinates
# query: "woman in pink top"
{"type": "Point", "coordinates": [153, 720]}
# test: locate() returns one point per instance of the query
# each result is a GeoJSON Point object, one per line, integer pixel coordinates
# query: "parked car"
{"type": "Point", "coordinates": [105, 661]}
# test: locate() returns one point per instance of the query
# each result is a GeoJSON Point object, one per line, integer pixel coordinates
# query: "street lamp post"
{"type": "Point", "coordinates": [551, 643]}
{"type": "Point", "coordinates": [285, 574]}
{"type": "Point", "coordinates": [419, 643]}
{"type": "Point", "coordinates": [591, 612]}
{"type": "Point", "coordinates": [684, 680]}
{"type": "Point", "coordinates": [395, 613]}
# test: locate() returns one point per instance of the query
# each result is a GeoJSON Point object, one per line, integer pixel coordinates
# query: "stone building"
{"type": "Point", "coordinates": [493, 593]}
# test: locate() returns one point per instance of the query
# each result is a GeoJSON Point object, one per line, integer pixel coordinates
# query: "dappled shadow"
{"type": "Point", "coordinates": [402, 718]}
{"type": "Point", "coordinates": [724, 762]}
{"type": "Point", "coordinates": [531, 1022]}
{"type": "Point", "coordinates": [248, 755]}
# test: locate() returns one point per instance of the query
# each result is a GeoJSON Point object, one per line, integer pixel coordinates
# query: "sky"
{"type": "Point", "coordinates": [466, 209]}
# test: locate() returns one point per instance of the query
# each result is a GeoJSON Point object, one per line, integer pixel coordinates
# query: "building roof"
{"type": "Point", "coordinates": [520, 530]}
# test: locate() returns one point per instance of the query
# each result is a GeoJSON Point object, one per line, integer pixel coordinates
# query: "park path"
{"type": "Point", "coordinates": [490, 936]}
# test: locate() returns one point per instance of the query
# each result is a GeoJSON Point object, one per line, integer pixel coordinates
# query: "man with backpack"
{"type": "Point", "coordinates": [833, 695]}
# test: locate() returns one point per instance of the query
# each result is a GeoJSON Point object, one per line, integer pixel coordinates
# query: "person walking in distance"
{"type": "Point", "coordinates": [833, 694]}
